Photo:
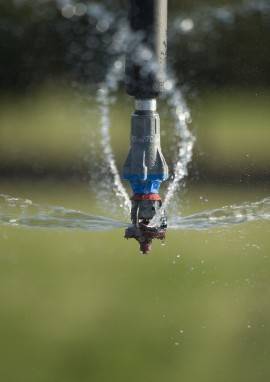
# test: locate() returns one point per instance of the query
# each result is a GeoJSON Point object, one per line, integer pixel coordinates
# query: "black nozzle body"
{"type": "Point", "coordinates": [146, 56]}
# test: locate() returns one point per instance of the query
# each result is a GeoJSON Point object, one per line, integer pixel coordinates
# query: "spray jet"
{"type": "Point", "coordinates": [145, 167]}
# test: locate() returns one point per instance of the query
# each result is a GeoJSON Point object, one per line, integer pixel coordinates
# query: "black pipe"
{"type": "Point", "coordinates": [146, 56]}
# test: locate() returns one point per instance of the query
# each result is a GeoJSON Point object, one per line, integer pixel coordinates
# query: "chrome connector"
{"type": "Point", "coordinates": [146, 104]}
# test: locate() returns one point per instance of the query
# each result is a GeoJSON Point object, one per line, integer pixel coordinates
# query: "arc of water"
{"type": "Point", "coordinates": [122, 41]}
{"type": "Point", "coordinates": [111, 83]}
{"type": "Point", "coordinates": [224, 217]}
{"type": "Point", "coordinates": [18, 212]}
{"type": "Point", "coordinates": [181, 114]}
{"type": "Point", "coordinates": [24, 213]}
{"type": "Point", "coordinates": [182, 118]}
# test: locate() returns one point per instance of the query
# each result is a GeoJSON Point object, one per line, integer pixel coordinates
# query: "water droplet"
{"type": "Point", "coordinates": [68, 11]}
{"type": "Point", "coordinates": [186, 25]}
{"type": "Point", "coordinates": [80, 9]}
{"type": "Point", "coordinates": [12, 221]}
{"type": "Point", "coordinates": [103, 25]}
{"type": "Point", "coordinates": [168, 85]}
{"type": "Point", "coordinates": [118, 64]}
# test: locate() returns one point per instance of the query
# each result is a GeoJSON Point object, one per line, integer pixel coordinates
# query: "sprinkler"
{"type": "Point", "coordinates": [145, 167]}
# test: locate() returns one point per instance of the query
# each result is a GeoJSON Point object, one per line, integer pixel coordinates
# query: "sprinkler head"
{"type": "Point", "coordinates": [145, 168]}
{"type": "Point", "coordinates": [144, 209]}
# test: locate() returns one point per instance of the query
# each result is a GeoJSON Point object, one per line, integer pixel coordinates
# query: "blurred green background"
{"type": "Point", "coordinates": [79, 307]}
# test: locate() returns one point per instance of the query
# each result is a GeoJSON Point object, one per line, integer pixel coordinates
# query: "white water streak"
{"type": "Point", "coordinates": [18, 212]}
{"type": "Point", "coordinates": [185, 145]}
{"type": "Point", "coordinates": [103, 97]}
{"type": "Point", "coordinates": [224, 217]}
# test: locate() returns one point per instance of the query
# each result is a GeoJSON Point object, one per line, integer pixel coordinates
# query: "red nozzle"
{"type": "Point", "coordinates": [146, 246]}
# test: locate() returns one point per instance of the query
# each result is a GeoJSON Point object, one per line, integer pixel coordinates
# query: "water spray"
{"type": "Point", "coordinates": [145, 167]}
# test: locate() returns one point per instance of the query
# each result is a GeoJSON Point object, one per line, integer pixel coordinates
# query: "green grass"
{"type": "Point", "coordinates": [233, 128]}
{"type": "Point", "coordinates": [81, 306]}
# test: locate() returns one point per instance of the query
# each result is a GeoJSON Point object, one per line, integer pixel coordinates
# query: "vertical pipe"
{"type": "Point", "coordinates": [146, 58]}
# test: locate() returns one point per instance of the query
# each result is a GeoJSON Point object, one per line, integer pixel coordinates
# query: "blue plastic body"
{"type": "Point", "coordinates": [149, 186]}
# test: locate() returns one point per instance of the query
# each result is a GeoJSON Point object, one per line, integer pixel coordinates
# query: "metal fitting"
{"type": "Point", "coordinates": [146, 104]}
